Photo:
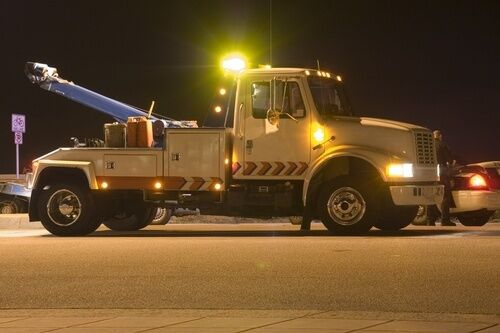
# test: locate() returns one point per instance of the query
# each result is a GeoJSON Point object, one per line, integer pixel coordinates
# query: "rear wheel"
{"type": "Point", "coordinates": [162, 215]}
{"type": "Point", "coordinates": [476, 220]}
{"type": "Point", "coordinates": [136, 217]}
{"type": "Point", "coordinates": [346, 206]}
{"type": "Point", "coordinates": [67, 210]}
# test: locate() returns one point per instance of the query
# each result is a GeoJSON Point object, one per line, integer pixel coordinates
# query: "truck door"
{"type": "Point", "coordinates": [279, 150]}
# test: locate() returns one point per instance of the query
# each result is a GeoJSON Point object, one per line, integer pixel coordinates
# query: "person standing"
{"type": "Point", "coordinates": [446, 162]}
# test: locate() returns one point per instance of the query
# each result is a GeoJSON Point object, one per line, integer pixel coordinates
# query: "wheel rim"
{"type": "Point", "coordinates": [160, 213]}
{"type": "Point", "coordinates": [346, 206]}
{"type": "Point", "coordinates": [7, 208]}
{"type": "Point", "coordinates": [64, 208]}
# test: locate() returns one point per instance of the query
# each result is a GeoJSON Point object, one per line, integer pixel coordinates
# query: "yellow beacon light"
{"type": "Point", "coordinates": [234, 63]}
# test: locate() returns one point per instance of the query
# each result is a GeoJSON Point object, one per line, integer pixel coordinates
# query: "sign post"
{"type": "Point", "coordinates": [18, 127]}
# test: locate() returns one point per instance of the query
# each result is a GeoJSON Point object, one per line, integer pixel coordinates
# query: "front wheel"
{"type": "Point", "coordinates": [346, 206]}
{"type": "Point", "coordinates": [9, 206]}
{"type": "Point", "coordinates": [67, 210]}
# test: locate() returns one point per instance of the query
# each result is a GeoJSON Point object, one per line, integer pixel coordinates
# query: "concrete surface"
{"type": "Point", "coordinates": [232, 321]}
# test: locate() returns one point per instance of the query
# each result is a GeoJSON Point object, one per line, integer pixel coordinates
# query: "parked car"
{"type": "Point", "coordinates": [476, 194]}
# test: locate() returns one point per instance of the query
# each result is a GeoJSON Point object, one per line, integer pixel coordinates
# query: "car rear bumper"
{"type": "Point", "coordinates": [468, 200]}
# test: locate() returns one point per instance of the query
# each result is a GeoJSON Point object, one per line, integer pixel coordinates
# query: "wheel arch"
{"type": "Point", "coordinates": [336, 166]}
{"type": "Point", "coordinates": [81, 175]}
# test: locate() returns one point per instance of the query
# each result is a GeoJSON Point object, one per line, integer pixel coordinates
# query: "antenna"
{"type": "Point", "coordinates": [271, 32]}
{"type": "Point", "coordinates": [317, 63]}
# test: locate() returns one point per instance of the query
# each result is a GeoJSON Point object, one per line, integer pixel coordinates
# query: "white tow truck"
{"type": "Point", "coordinates": [293, 148]}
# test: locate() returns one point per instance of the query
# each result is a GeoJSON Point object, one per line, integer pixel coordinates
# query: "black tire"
{"type": "Point", "coordinates": [9, 206]}
{"type": "Point", "coordinates": [346, 205]}
{"type": "Point", "coordinates": [162, 215]}
{"type": "Point", "coordinates": [395, 218]}
{"type": "Point", "coordinates": [476, 220]}
{"type": "Point", "coordinates": [67, 210]}
{"type": "Point", "coordinates": [140, 216]}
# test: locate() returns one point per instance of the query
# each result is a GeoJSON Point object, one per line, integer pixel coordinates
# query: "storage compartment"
{"type": "Point", "coordinates": [139, 132]}
{"type": "Point", "coordinates": [114, 135]}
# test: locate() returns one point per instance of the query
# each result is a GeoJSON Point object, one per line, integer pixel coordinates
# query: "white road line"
{"type": "Point", "coordinates": [22, 233]}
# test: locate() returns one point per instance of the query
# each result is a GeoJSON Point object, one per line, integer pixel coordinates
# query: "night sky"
{"type": "Point", "coordinates": [433, 63]}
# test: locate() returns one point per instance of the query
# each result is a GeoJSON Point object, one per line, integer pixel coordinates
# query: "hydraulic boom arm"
{"type": "Point", "coordinates": [47, 78]}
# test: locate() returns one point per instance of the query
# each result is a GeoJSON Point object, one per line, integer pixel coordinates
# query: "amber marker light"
{"type": "Point", "coordinates": [339, 78]}
{"type": "Point", "coordinates": [217, 187]}
{"type": "Point", "coordinates": [218, 109]}
{"type": "Point", "coordinates": [104, 185]}
{"type": "Point", "coordinates": [158, 185]}
{"type": "Point", "coordinates": [222, 91]}
{"type": "Point", "coordinates": [226, 161]}
{"type": "Point", "coordinates": [319, 135]}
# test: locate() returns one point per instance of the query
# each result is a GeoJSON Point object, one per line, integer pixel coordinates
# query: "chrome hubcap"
{"type": "Point", "coordinates": [64, 208]}
{"type": "Point", "coordinates": [346, 206]}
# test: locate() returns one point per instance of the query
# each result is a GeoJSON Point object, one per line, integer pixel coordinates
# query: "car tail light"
{"type": "Point", "coordinates": [477, 182]}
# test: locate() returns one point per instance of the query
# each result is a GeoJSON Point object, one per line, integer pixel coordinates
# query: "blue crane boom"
{"type": "Point", "coordinates": [47, 78]}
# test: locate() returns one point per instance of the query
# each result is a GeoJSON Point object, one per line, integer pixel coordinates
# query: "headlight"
{"type": "Point", "coordinates": [400, 170]}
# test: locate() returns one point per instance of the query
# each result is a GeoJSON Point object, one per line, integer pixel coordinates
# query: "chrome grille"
{"type": "Point", "coordinates": [424, 148]}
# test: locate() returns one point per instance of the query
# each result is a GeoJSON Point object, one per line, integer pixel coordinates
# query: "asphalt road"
{"type": "Point", "coordinates": [254, 266]}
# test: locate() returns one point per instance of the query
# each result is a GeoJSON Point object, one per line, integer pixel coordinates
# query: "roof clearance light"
{"type": "Point", "coordinates": [339, 78]}
{"type": "Point", "coordinates": [222, 91]}
{"type": "Point", "coordinates": [328, 75]}
{"type": "Point", "coordinates": [477, 181]}
{"type": "Point", "coordinates": [308, 73]}
{"type": "Point", "coordinates": [218, 109]}
{"type": "Point", "coordinates": [319, 73]}
{"type": "Point", "coordinates": [234, 64]}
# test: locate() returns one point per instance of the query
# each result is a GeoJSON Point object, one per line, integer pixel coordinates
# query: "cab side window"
{"type": "Point", "coordinates": [287, 99]}
{"type": "Point", "coordinates": [261, 97]}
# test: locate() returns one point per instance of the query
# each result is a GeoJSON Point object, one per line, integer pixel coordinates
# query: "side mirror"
{"type": "Point", "coordinates": [273, 117]}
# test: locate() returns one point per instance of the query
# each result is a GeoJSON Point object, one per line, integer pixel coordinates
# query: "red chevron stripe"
{"type": "Point", "coordinates": [197, 183]}
{"type": "Point", "coordinates": [279, 168]}
{"type": "Point", "coordinates": [251, 166]}
{"type": "Point", "coordinates": [265, 168]}
{"type": "Point", "coordinates": [236, 167]}
{"type": "Point", "coordinates": [302, 168]}
{"type": "Point", "coordinates": [291, 169]}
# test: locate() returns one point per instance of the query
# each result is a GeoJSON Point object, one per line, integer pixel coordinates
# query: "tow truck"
{"type": "Point", "coordinates": [291, 146]}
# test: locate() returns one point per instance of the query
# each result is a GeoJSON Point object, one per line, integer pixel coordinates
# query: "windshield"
{"type": "Point", "coordinates": [329, 97]}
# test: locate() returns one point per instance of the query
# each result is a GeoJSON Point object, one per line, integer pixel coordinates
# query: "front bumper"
{"type": "Point", "coordinates": [408, 195]}
{"type": "Point", "coordinates": [466, 200]}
